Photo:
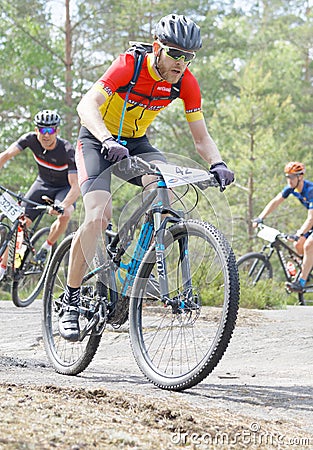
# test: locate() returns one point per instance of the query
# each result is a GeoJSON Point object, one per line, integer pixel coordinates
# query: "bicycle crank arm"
{"type": "Point", "coordinates": [90, 325]}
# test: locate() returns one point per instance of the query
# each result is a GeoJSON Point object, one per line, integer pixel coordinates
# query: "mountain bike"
{"type": "Point", "coordinates": [24, 273]}
{"type": "Point", "coordinates": [178, 286]}
{"type": "Point", "coordinates": [256, 266]}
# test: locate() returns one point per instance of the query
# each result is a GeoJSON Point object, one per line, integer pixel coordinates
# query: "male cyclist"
{"type": "Point", "coordinates": [57, 175]}
{"type": "Point", "coordinates": [303, 190]}
{"type": "Point", "coordinates": [177, 39]}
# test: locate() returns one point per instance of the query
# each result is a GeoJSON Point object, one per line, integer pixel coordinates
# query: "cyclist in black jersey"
{"type": "Point", "coordinates": [108, 113]}
{"type": "Point", "coordinates": [57, 174]}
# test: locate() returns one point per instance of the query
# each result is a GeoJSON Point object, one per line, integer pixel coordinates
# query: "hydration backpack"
{"type": "Point", "coordinates": [139, 50]}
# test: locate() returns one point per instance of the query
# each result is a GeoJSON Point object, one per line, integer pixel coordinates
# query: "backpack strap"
{"type": "Point", "coordinates": [140, 50]}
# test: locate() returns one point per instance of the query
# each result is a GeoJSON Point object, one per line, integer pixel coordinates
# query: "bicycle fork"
{"type": "Point", "coordinates": [160, 258]}
{"type": "Point", "coordinates": [177, 302]}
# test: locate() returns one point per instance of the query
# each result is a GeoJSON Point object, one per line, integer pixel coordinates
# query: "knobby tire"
{"type": "Point", "coordinates": [176, 350]}
{"type": "Point", "coordinates": [68, 358]}
{"type": "Point", "coordinates": [254, 267]}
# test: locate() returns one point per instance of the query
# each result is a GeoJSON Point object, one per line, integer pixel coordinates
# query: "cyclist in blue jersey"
{"type": "Point", "coordinates": [57, 175]}
{"type": "Point", "coordinates": [302, 189]}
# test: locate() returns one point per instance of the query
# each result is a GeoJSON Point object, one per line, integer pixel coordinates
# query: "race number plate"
{"type": "Point", "coordinates": [177, 175]}
{"type": "Point", "coordinates": [268, 233]}
{"type": "Point", "coordinates": [9, 207]}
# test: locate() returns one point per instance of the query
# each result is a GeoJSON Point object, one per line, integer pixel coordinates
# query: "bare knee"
{"type": "Point", "coordinates": [98, 211]}
{"type": "Point", "coordinates": [298, 245]}
{"type": "Point", "coordinates": [308, 246]}
{"type": "Point", "coordinates": [95, 224]}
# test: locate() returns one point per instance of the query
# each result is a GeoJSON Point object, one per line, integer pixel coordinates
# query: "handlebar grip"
{"type": "Point", "coordinates": [50, 202]}
{"type": "Point", "coordinates": [293, 237]}
{"type": "Point", "coordinates": [212, 181]}
{"type": "Point", "coordinates": [59, 209]}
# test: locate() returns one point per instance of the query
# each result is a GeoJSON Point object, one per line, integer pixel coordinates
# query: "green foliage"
{"type": "Point", "coordinates": [267, 294]}
{"type": "Point", "coordinates": [5, 292]}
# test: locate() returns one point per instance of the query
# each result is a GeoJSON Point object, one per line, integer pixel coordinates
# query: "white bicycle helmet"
{"type": "Point", "coordinates": [47, 118]}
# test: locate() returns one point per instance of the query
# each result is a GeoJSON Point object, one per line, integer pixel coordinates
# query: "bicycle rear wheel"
{"type": "Point", "coordinates": [69, 358]}
{"type": "Point", "coordinates": [306, 298]}
{"type": "Point", "coordinates": [254, 267]}
{"type": "Point", "coordinates": [177, 346]}
{"type": "Point", "coordinates": [29, 277]}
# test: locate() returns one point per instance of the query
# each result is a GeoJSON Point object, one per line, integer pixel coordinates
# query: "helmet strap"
{"type": "Point", "coordinates": [156, 61]}
{"type": "Point", "coordinates": [298, 177]}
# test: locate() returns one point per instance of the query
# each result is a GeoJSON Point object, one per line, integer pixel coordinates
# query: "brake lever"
{"type": "Point", "coordinates": [210, 182]}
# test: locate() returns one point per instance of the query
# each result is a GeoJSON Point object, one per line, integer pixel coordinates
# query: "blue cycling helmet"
{"type": "Point", "coordinates": [179, 31]}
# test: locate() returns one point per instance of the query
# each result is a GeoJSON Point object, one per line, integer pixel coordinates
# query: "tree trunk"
{"type": "Point", "coordinates": [68, 73]}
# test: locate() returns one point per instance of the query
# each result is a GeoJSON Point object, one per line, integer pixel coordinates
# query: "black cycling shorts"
{"type": "Point", "coordinates": [40, 188]}
{"type": "Point", "coordinates": [94, 171]}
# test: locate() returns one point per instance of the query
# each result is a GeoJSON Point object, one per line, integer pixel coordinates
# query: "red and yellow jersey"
{"type": "Point", "coordinates": [142, 109]}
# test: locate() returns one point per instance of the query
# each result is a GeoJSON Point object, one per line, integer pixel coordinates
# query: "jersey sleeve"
{"type": "Point", "coordinates": [191, 96]}
{"type": "Point", "coordinates": [25, 141]}
{"type": "Point", "coordinates": [118, 74]}
{"type": "Point", "coordinates": [286, 191]}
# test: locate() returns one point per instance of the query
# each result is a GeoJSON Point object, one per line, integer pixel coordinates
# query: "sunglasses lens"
{"type": "Point", "coordinates": [177, 54]}
{"type": "Point", "coordinates": [49, 130]}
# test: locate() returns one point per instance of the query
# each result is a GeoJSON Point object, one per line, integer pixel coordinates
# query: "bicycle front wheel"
{"type": "Point", "coordinates": [254, 267]}
{"type": "Point", "coordinates": [68, 358]}
{"type": "Point", "coordinates": [29, 277]}
{"type": "Point", "coordinates": [176, 345]}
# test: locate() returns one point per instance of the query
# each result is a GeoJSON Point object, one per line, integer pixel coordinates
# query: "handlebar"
{"type": "Point", "coordinates": [57, 208]}
{"type": "Point", "coordinates": [49, 204]}
{"type": "Point", "coordinates": [20, 198]}
{"type": "Point", "coordinates": [211, 182]}
{"type": "Point", "coordinates": [291, 237]}
{"type": "Point", "coordinates": [270, 234]}
{"type": "Point", "coordinates": [145, 168]}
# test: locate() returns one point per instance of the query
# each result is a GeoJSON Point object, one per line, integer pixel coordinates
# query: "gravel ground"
{"type": "Point", "coordinates": [259, 396]}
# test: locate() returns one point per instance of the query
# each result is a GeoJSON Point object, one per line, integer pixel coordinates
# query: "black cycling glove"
{"type": "Point", "coordinates": [113, 151]}
{"type": "Point", "coordinates": [223, 175]}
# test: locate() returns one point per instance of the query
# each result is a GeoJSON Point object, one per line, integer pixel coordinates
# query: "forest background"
{"type": "Point", "coordinates": [255, 71]}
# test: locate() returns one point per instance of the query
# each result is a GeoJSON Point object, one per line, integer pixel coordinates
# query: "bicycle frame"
{"type": "Point", "coordinates": [156, 207]}
{"type": "Point", "coordinates": [280, 247]}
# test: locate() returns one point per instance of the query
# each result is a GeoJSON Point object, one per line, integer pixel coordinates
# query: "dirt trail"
{"type": "Point", "coordinates": [259, 396]}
